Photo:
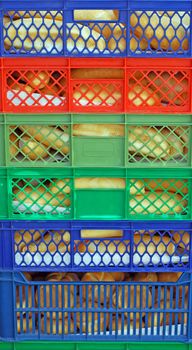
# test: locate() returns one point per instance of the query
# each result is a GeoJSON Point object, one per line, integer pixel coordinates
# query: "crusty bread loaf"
{"type": "Point", "coordinates": [48, 136]}
{"type": "Point", "coordinates": [140, 96]}
{"type": "Point", "coordinates": [32, 149]}
{"type": "Point", "coordinates": [158, 203]}
{"type": "Point", "coordinates": [98, 130]}
{"type": "Point", "coordinates": [162, 31]}
{"type": "Point", "coordinates": [182, 239]}
{"type": "Point", "coordinates": [145, 277]}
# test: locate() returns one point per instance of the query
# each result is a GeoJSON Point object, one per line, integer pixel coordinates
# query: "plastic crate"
{"type": "Point", "coordinates": [63, 310]}
{"type": "Point", "coordinates": [96, 141]}
{"type": "Point", "coordinates": [45, 85]}
{"type": "Point", "coordinates": [80, 246]}
{"type": "Point", "coordinates": [48, 345]}
{"type": "Point", "coordinates": [130, 28]}
{"type": "Point", "coordinates": [100, 193]}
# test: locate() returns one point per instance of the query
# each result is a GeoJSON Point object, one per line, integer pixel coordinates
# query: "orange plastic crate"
{"type": "Point", "coordinates": [47, 85]}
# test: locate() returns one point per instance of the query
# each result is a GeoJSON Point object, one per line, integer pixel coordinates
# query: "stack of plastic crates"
{"type": "Point", "coordinates": [96, 174]}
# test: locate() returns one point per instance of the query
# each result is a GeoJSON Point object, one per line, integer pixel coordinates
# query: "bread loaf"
{"type": "Point", "coordinates": [48, 136]}
{"type": "Point", "coordinates": [32, 149]}
{"type": "Point", "coordinates": [99, 130]}
{"type": "Point", "coordinates": [158, 203]}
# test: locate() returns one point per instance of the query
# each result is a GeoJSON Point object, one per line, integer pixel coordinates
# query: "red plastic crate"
{"type": "Point", "coordinates": [47, 85]}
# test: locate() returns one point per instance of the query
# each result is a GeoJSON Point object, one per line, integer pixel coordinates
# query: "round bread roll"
{"type": "Point", "coordinates": [48, 243]}
{"type": "Point", "coordinates": [24, 237]}
{"type": "Point", "coordinates": [102, 247]}
{"type": "Point", "coordinates": [32, 149]}
{"type": "Point", "coordinates": [57, 327]}
{"type": "Point", "coordinates": [118, 276]}
{"type": "Point", "coordinates": [37, 80]}
{"type": "Point", "coordinates": [145, 277]}
{"type": "Point", "coordinates": [101, 233]}
{"type": "Point", "coordinates": [132, 298]}
{"type": "Point", "coordinates": [162, 31]}
{"type": "Point", "coordinates": [151, 244]}
{"type": "Point", "coordinates": [158, 203]}
{"type": "Point", "coordinates": [24, 297]}
{"type": "Point", "coordinates": [60, 187]}
{"type": "Point", "coordinates": [71, 277]}
{"type": "Point", "coordinates": [48, 136]}
{"type": "Point", "coordinates": [177, 317]}
{"type": "Point", "coordinates": [96, 95]}
{"type": "Point", "coordinates": [169, 276]}
{"type": "Point", "coordinates": [106, 130]}
{"type": "Point", "coordinates": [140, 96]}
{"type": "Point", "coordinates": [114, 34]}
{"type": "Point", "coordinates": [55, 276]}
{"type": "Point", "coordinates": [39, 197]}
{"type": "Point", "coordinates": [24, 323]}
{"type": "Point", "coordinates": [13, 146]}
{"type": "Point", "coordinates": [121, 325]}
{"type": "Point", "coordinates": [135, 44]}
{"type": "Point", "coordinates": [93, 290]}
{"type": "Point", "coordinates": [143, 141]}
{"type": "Point", "coordinates": [156, 318]}
{"type": "Point", "coordinates": [136, 187]}
{"type": "Point", "coordinates": [172, 185]}
{"type": "Point", "coordinates": [182, 239]}
{"type": "Point", "coordinates": [97, 73]}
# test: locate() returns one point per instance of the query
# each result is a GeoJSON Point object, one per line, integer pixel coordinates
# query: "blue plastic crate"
{"type": "Point", "coordinates": [82, 246]}
{"type": "Point", "coordinates": [103, 311]}
{"type": "Point", "coordinates": [65, 28]}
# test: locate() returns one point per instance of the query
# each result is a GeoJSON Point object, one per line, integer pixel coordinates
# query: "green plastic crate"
{"type": "Point", "coordinates": [143, 141]}
{"type": "Point", "coordinates": [92, 346]}
{"type": "Point", "coordinates": [81, 193]}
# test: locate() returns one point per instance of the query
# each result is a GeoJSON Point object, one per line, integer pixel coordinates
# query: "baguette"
{"type": "Point", "coordinates": [48, 136]}
{"type": "Point", "coordinates": [170, 185]}
{"type": "Point", "coordinates": [163, 32]}
{"type": "Point", "coordinates": [157, 203]}
{"type": "Point", "coordinates": [106, 130]}
{"type": "Point", "coordinates": [109, 183]}
{"type": "Point", "coordinates": [97, 73]}
{"type": "Point", "coordinates": [32, 149]}
{"type": "Point", "coordinates": [147, 142]}
{"type": "Point", "coordinates": [40, 197]}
